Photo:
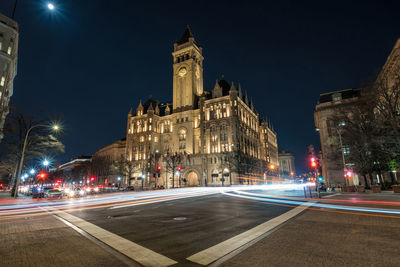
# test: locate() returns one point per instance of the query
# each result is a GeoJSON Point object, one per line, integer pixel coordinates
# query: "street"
{"type": "Point", "coordinates": [203, 226]}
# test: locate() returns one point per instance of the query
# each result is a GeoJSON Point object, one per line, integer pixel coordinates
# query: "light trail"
{"type": "Point", "coordinates": [261, 197]}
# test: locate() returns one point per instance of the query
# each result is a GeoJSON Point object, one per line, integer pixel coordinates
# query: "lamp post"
{"type": "Point", "coordinates": [343, 159]}
{"type": "Point", "coordinates": [21, 162]}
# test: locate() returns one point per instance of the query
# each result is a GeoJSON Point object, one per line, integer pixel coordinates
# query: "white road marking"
{"type": "Point", "coordinates": [214, 253]}
{"type": "Point", "coordinates": [132, 250]}
{"type": "Point", "coordinates": [337, 194]}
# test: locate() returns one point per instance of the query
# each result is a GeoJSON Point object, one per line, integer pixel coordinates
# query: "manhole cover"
{"type": "Point", "coordinates": [180, 218]}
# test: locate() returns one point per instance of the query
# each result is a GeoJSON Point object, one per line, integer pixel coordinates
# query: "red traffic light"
{"type": "Point", "coordinates": [42, 175]}
{"type": "Point", "coordinates": [92, 179]}
{"type": "Point", "coordinates": [179, 168]}
{"type": "Point", "coordinates": [159, 168]}
{"type": "Point", "coordinates": [58, 181]}
{"type": "Point", "coordinates": [313, 164]}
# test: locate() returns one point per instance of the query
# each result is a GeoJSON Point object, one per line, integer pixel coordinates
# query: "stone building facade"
{"type": "Point", "coordinates": [334, 160]}
{"type": "Point", "coordinates": [8, 64]}
{"type": "Point", "coordinates": [333, 157]}
{"type": "Point", "coordinates": [286, 164]}
{"type": "Point", "coordinates": [206, 128]}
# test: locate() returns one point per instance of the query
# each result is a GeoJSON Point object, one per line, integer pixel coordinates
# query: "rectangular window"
{"type": "Point", "coordinates": [2, 81]}
{"type": "Point", "coordinates": [9, 50]}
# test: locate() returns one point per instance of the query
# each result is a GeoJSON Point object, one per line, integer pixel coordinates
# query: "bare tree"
{"type": "Point", "coordinates": [125, 168]}
{"type": "Point", "coordinates": [40, 142]}
{"type": "Point", "coordinates": [102, 168]}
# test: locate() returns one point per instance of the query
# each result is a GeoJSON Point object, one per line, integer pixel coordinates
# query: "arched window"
{"type": "Point", "coordinates": [182, 134]}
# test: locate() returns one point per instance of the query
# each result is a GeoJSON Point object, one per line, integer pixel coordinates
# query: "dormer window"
{"type": "Point", "coordinates": [337, 97]}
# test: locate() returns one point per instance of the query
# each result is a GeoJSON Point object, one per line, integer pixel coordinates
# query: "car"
{"type": "Point", "coordinates": [37, 192]}
{"type": "Point", "coordinates": [76, 192]}
{"type": "Point", "coordinates": [130, 188]}
{"type": "Point", "coordinates": [53, 193]}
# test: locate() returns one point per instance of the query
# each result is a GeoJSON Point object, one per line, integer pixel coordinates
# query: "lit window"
{"type": "Point", "coordinates": [1, 45]}
{"type": "Point", "coordinates": [2, 81]}
{"type": "Point", "coordinates": [182, 135]}
{"type": "Point", "coordinates": [149, 137]}
{"type": "Point", "coordinates": [142, 138]}
{"type": "Point", "coordinates": [155, 139]}
{"type": "Point", "coordinates": [9, 50]}
{"type": "Point", "coordinates": [342, 123]}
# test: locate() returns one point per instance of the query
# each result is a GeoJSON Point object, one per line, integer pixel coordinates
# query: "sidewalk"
{"type": "Point", "coordinates": [7, 195]}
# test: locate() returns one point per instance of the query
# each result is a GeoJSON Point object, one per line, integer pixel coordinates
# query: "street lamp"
{"type": "Point", "coordinates": [32, 171]}
{"type": "Point", "coordinates": [54, 127]}
{"type": "Point", "coordinates": [50, 6]}
{"type": "Point", "coordinates": [46, 163]}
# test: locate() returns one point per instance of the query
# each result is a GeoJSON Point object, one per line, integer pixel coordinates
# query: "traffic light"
{"type": "Point", "coordinates": [179, 168]}
{"type": "Point", "coordinates": [42, 175]}
{"type": "Point", "coordinates": [313, 162]}
{"type": "Point", "coordinates": [158, 167]}
{"type": "Point", "coordinates": [349, 174]}
{"type": "Point", "coordinates": [58, 181]}
{"type": "Point", "coordinates": [92, 179]}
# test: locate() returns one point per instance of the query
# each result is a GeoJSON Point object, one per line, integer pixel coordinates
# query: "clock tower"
{"type": "Point", "coordinates": [188, 72]}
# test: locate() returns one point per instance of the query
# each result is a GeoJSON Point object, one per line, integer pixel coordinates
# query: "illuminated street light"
{"type": "Point", "coordinates": [272, 166]}
{"type": "Point", "coordinates": [50, 6]}
{"type": "Point", "coordinates": [32, 171]}
{"type": "Point", "coordinates": [119, 178]}
{"type": "Point", "coordinates": [46, 162]}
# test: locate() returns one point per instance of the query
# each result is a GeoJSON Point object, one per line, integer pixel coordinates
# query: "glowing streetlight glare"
{"type": "Point", "coordinates": [32, 171]}
{"type": "Point", "coordinates": [50, 6]}
{"type": "Point", "coordinates": [272, 166]}
{"type": "Point", "coordinates": [46, 162]}
{"type": "Point", "coordinates": [56, 127]}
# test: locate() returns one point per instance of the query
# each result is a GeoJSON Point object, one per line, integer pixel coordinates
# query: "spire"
{"type": "Point", "coordinates": [157, 110]}
{"type": "Point", "coordinates": [233, 88]}
{"type": "Point", "coordinates": [130, 112]}
{"type": "Point", "coordinates": [139, 110]}
{"type": "Point", "coordinates": [167, 110]}
{"type": "Point", "coordinates": [246, 99]}
{"type": "Point", "coordinates": [187, 34]}
{"type": "Point", "coordinates": [140, 104]}
{"type": "Point", "coordinates": [240, 92]}
{"type": "Point", "coordinates": [150, 108]}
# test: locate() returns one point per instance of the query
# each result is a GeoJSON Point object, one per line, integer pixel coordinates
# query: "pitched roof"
{"type": "Point", "coordinates": [185, 36]}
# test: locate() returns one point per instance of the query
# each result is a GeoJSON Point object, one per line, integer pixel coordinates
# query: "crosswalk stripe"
{"type": "Point", "coordinates": [132, 250]}
{"type": "Point", "coordinates": [216, 252]}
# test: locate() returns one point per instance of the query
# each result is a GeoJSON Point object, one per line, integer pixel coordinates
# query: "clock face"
{"type": "Point", "coordinates": [182, 71]}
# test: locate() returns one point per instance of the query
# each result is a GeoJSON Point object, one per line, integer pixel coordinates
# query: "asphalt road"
{"type": "Point", "coordinates": [99, 233]}
{"type": "Point", "coordinates": [180, 228]}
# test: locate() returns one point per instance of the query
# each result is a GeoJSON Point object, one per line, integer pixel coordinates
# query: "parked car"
{"type": "Point", "coordinates": [53, 193]}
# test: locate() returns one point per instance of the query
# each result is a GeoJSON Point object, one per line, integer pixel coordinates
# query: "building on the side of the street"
{"type": "Point", "coordinates": [217, 135]}
{"type": "Point", "coordinates": [333, 156]}
{"type": "Point", "coordinates": [286, 164]}
{"type": "Point", "coordinates": [8, 64]}
{"type": "Point", "coordinates": [334, 161]}
{"type": "Point", "coordinates": [106, 160]}
{"type": "Point", "coordinates": [113, 151]}
{"type": "Point", "coordinates": [76, 170]}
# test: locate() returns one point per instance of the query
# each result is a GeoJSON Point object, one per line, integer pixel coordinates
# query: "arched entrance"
{"type": "Point", "coordinates": [192, 179]}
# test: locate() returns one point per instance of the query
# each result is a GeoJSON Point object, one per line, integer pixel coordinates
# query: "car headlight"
{"type": "Point", "coordinates": [81, 192]}
{"type": "Point", "coordinates": [71, 193]}
{"type": "Point", "coordinates": [87, 189]}
{"type": "Point", "coordinates": [96, 189]}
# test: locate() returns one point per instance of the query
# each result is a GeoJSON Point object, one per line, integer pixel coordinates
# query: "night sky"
{"type": "Point", "coordinates": [92, 60]}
